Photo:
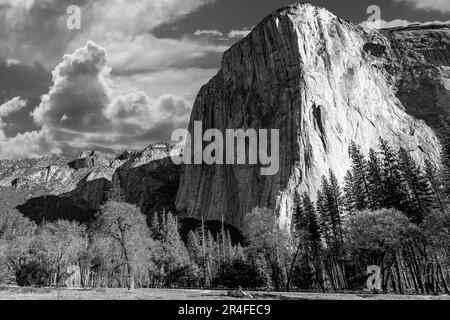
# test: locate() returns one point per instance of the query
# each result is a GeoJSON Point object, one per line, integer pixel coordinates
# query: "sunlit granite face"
{"type": "Point", "coordinates": [323, 82]}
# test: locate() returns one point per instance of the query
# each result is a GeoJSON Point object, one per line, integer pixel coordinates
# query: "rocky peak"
{"type": "Point", "coordinates": [323, 82]}
{"type": "Point", "coordinates": [91, 159]}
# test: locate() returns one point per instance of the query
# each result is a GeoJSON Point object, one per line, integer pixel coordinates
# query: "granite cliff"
{"type": "Point", "coordinates": [323, 82]}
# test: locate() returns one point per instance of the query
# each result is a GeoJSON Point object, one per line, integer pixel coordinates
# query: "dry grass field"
{"type": "Point", "coordinates": [17, 293]}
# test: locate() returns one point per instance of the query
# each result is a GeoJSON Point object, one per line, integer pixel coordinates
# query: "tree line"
{"type": "Point", "coordinates": [120, 248]}
{"type": "Point", "coordinates": [389, 212]}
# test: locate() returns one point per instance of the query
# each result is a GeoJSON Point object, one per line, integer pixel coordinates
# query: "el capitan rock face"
{"type": "Point", "coordinates": [323, 82]}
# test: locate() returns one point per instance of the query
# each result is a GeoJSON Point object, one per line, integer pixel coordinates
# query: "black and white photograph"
{"type": "Point", "coordinates": [241, 152]}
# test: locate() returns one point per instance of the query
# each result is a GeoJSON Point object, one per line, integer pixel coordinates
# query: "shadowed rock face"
{"type": "Point", "coordinates": [74, 191]}
{"type": "Point", "coordinates": [150, 179]}
{"type": "Point", "coordinates": [420, 67]}
{"type": "Point", "coordinates": [323, 82]}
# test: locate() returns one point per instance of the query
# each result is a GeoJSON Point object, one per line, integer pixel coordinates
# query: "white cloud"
{"type": "Point", "coordinates": [138, 16]}
{"type": "Point", "coordinates": [84, 107]}
{"type": "Point", "coordinates": [81, 87]}
{"type": "Point", "coordinates": [25, 4]}
{"type": "Point", "coordinates": [383, 24]}
{"type": "Point", "coordinates": [152, 88]}
{"type": "Point", "coordinates": [238, 33]}
{"type": "Point", "coordinates": [137, 109]}
{"type": "Point", "coordinates": [437, 5]}
{"type": "Point", "coordinates": [12, 62]}
{"type": "Point", "coordinates": [36, 30]}
{"type": "Point", "coordinates": [29, 144]}
{"type": "Point", "coordinates": [185, 82]}
{"type": "Point", "coordinates": [125, 28]}
{"type": "Point", "coordinates": [213, 33]}
{"type": "Point", "coordinates": [148, 53]}
{"type": "Point", "coordinates": [11, 106]}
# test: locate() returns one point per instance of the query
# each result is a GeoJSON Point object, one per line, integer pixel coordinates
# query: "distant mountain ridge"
{"type": "Point", "coordinates": [59, 188]}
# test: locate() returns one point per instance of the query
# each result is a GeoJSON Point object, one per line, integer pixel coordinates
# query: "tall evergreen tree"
{"type": "Point", "coordinates": [174, 253]}
{"type": "Point", "coordinates": [334, 203]}
{"type": "Point", "coordinates": [230, 251]}
{"type": "Point", "coordinates": [431, 174]}
{"type": "Point", "coordinates": [444, 135]}
{"type": "Point", "coordinates": [418, 189]}
{"type": "Point", "coordinates": [155, 227]}
{"type": "Point", "coordinates": [375, 179]}
{"type": "Point", "coordinates": [394, 196]}
{"type": "Point", "coordinates": [194, 248]}
{"type": "Point", "coordinates": [324, 218]}
{"type": "Point", "coordinates": [350, 193]}
{"type": "Point", "coordinates": [330, 209]}
{"type": "Point", "coordinates": [361, 183]}
{"type": "Point", "coordinates": [312, 224]}
{"type": "Point", "coordinates": [115, 192]}
{"type": "Point", "coordinates": [298, 216]}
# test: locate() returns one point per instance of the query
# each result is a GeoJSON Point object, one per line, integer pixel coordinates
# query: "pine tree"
{"type": "Point", "coordinates": [314, 238]}
{"type": "Point", "coordinates": [419, 191]}
{"type": "Point", "coordinates": [394, 196]}
{"type": "Point", "coordinates": [298, 216]}
{"type": "Point", "coordinates": [229, 248]}
{"type": "Point", "coordinates": [115, 192]}
{"type": "Point", "coordinates": [175, 255]}
{"type": "Point", "coordinates": [375, 179]}
{"type": "Point", "coordinates": [350, 193]}
{"type": "Point", "coordinates": [239, 252]}
{"type": "Point", "coordinates": [312, 224]}
{"type": "Point", "coordinates": [334, 203]}
{"type": "Point", "coordinates": [194, 248]}
{"type": "Point", "coordinates": [325, 208]}
{"type": "Point", "coordinates": [444, 135]}
{"type": "Point", "coordinates": [155, 227]}
{"type": "Point", "coordinates": [211, 256]}
{"type": "Point", "coordinates": [435, 182]}
{"type": "Point", "coordinates": [361, 183]}
{"type": "Point", "coordinates": [324, 218]}
{"type": "Point", "coordinates": [330, 209]}
{"type": "Point", "coordinates": [202, 238]}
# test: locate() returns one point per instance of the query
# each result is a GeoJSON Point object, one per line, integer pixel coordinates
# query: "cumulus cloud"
{"type": "Point", "coordinates": [135, 94]}
{"type": "Point", "coordinates": [22, 145]}
{"type": "Point", "coordinates": [137, 108]}
{"type": "Point", "coordinates": [84, 107]}
{"type": "Point", "coordinates": [437, 5]}
{"type": "Point", "coordinates": [80, 90]}
{"type": "Point", "coordinates": [27, 145]}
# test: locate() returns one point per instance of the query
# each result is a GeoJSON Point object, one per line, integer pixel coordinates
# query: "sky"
{"type": "Point", "coordinates": [129, 75]}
